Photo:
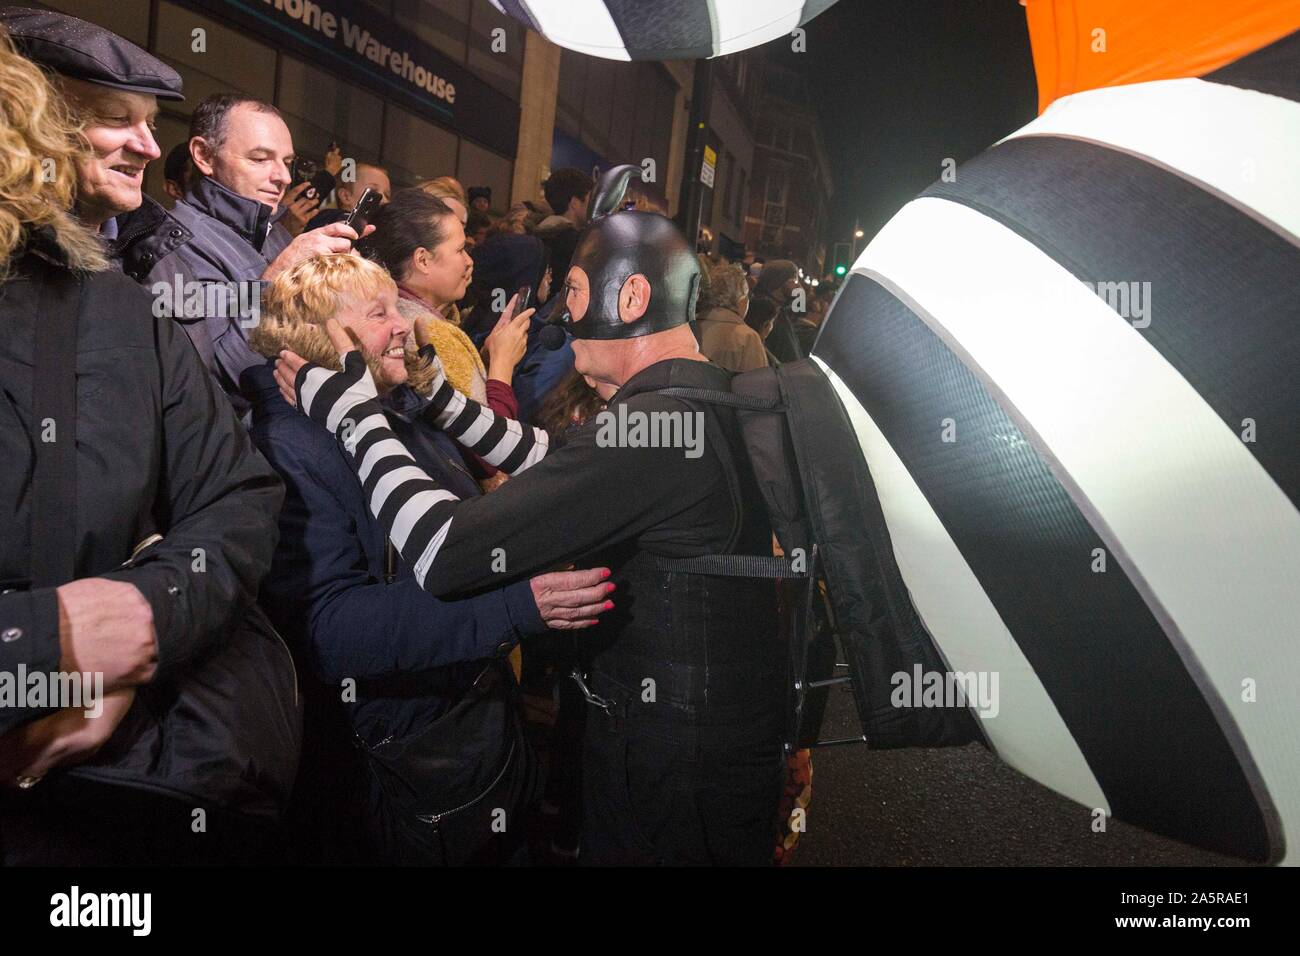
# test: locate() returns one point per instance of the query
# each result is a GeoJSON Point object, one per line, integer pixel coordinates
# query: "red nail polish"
{"type": "Point", "coordinates": [608, 605]}
{"type": "Point", "coordinates": [604, 573]}
{"type": "Point", "coordinates": [610, 586]}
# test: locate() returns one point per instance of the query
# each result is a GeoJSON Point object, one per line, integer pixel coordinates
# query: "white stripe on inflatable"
{"type": "Point", "coordinates": [742, 24]}
{"type": "Point", "coordinates": [581, 25]}
{"type": "Point", "coordinates": [1028, 732]}
{"type": "Point", "coordinates": [1205, 534]}
{"type": "Point", "coordinates": [1241, 144]}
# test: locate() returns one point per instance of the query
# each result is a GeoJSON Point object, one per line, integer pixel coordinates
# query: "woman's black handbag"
{"type": "Point", "coordinates": [455, 792]}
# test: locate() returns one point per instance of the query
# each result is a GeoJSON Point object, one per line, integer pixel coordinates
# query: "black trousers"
{"type": "Point", "coordinates": [664, 791]}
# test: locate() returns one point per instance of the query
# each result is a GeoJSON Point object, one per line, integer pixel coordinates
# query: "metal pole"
{"type": "Point", "coordinates": [692, 192]}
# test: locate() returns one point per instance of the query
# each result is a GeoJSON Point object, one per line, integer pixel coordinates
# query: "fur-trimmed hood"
{"type": "Point", "coordinates": [313, 343]}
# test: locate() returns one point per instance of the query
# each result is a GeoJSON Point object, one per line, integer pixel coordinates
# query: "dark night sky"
{"type": "Point", "coordinates": [902, 85]}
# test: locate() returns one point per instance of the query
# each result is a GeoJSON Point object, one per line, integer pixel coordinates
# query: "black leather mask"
{"type": "Point", "coordinates": [616, 245]}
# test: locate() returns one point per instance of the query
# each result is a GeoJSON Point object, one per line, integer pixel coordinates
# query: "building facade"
{"type": "Point", "coordinates": [425, 87]}
{"type": "Point", "coordinates": [732, 106]}
{"type": "Point", "coordinates": [453, 87]}
{"type": "Point", "coordinates": [787, 210]}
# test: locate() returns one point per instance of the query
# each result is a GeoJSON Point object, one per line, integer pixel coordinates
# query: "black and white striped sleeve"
{"type": "Point", "coordinates": [502, 442]}
{"type": "Point", "coordinates": [413, 508]}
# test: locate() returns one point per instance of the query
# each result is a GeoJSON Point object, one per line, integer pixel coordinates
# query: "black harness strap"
{"type": "Point", "coordinates": [715, 397]}
{"type": "Point", "coordinates": [731, 566]}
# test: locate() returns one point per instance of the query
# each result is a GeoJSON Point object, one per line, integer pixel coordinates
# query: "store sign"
{"type": "Point", "coordinates": [710, 164]}
{"type": "Point", "coordinates": [353, 40]}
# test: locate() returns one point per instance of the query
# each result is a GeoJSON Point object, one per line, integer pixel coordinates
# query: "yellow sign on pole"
{"type": "Point", "coordinates": [710, 163]}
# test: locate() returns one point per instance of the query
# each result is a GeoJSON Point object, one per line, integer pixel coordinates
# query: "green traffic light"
{"type": "Point", "coordinates": [840, 270]}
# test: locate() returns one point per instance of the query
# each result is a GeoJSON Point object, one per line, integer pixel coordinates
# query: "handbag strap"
{"type": "Point", "coordinates": [54, 430]}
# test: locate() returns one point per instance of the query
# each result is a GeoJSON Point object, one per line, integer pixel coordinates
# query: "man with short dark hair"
{"type": "Point", "coordinates": [243, 155]}
{"type": "Point", "coordinates": [566, 192]}
{"type": "Point", "coordinates": [177, 171]}
{"type": "Point", "coordinates": [348, 191]}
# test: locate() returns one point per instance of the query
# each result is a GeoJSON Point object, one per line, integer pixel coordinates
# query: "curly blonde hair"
{"type": "Point", "coordinates": [300, 300]}
{"type": "Point", "coordinates": [40, 145]}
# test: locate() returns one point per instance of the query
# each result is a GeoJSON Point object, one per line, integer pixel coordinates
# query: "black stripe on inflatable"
{"type": "Point", "coordinates": [1141, 723]}
{"type": "Point", "coordinates": [663, 30]}
{"type": "Point", "coordinates": [510, 464]}
{"type": "Point", "coordinates": [1272, 69]}
{"type": "Point", "coordinates": [1224, 290]}
{"type": "Point", "coordinates": [398, 498]}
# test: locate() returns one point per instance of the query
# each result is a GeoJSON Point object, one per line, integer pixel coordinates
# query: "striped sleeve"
{"type": "Point", "coordinates": [411, 507]}
{"type": "Point", "coordinates": [502, 442]}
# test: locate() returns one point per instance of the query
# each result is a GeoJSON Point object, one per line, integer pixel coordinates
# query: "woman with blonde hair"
{"type": "Point", "coordinates": [121, 463]}
{"type": "Point", "coordinates": [450, 191]}
{"type": "Point", "coordinates": [39, 150]}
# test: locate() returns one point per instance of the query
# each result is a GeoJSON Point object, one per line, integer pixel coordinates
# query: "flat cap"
{"type": "Point", "coordinates": [83, 51]}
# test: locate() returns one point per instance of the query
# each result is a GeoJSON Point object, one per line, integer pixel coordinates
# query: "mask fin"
{"type": "Point", "coordinates": [608, 192]}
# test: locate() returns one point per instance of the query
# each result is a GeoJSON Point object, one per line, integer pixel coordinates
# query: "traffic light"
{"type": "Point", "coordinates": [842, 255]}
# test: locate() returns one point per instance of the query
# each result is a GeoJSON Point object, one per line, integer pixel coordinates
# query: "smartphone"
{"type": "Point", "coordinates": [525, 296]}
{"type": "Point", "coordinates": [360, 215]}
{"type": "Point", "coordinates": [303, 170]}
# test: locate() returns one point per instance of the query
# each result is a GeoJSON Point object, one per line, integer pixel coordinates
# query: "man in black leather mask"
{"type": "Point", "coordinates": [682, 755]}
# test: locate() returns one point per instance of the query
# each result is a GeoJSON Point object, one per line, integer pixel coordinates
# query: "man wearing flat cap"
{"type": "Point", "coordinates": [114, 87]}
{"type": "Point", "coordinates": [135, 529]}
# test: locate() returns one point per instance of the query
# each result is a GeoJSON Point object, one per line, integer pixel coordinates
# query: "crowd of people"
{"type": "Point", "coordinates": [443, 500]}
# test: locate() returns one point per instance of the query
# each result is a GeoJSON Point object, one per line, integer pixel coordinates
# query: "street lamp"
{"type": "Point", "coordinates": [857, 234]}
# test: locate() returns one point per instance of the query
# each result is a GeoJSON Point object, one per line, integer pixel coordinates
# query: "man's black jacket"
{"type": "Point", "coordinates": [158, 450]}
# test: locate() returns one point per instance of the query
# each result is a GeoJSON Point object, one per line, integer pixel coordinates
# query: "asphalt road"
{"type": "Point", "coordinates": [959, 806]}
